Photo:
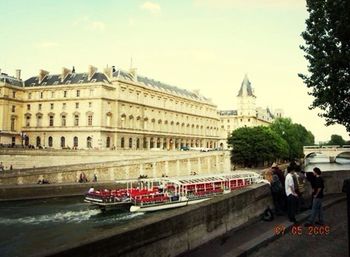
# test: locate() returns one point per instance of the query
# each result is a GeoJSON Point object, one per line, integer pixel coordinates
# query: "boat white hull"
{"type": "Point", "coordinates": [150, 208]}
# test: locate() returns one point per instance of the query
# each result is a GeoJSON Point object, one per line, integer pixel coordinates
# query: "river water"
{"type": "Point", "coordinates": [27, 227]}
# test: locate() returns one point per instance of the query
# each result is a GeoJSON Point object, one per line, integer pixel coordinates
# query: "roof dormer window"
{"type": "Point", "coordinates": [68, 82]}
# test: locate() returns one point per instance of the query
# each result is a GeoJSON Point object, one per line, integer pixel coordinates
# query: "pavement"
{"type": "Point", "coordinates": [282, 238]}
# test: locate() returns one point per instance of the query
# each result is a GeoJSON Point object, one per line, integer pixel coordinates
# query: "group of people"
{"type": "Point", "coordinates": [290, 192]}
{"type": "Point", "coordinates": [3, 168]}
{"type": "Point", "coordinates": [83, 178]}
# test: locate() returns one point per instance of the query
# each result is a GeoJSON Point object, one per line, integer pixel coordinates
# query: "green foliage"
{"type": "Point", "coordinates": [255, 145]}
{"type": "Point", "coordinates": [337, 140]}
{"type": "Point", "coordinates": [327, 49]}
{"type": "Point", "coordinates": [295, 135]}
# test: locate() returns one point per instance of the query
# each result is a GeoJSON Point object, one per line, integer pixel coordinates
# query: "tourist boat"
{"type": "Point", "coordinates": [107, 199]}
{"type": "Point", "coordinates": [146, 195]}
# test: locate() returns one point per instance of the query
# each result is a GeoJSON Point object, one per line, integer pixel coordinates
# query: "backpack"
{"type": "Point", "coordinates": [276, 185]}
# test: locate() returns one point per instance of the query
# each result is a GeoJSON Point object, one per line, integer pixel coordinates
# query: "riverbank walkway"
{"type": "Point", "coordinates": [279, 238]}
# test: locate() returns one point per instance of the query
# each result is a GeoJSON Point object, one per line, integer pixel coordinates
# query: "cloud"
{"type": "Point", "coordinates": [88, 24]}
{"type": "Point", "coordinates": [249, 3]}
{"type": "Point", "coordinates": [47, 44]}
{"type": "Point", "coordinates": [151, 7]}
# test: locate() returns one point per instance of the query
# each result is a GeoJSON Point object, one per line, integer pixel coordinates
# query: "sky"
{"type": "Point", "coordinates": [194, 44]}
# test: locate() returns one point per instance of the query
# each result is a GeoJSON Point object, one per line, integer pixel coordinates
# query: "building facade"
{"type": "Point", "coordinates": [247, 113]}
{"type": "Point", "coordinates": [110, 109]}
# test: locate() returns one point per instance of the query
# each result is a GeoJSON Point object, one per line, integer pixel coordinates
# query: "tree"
{"type": "Point", "coordinates": [337, 140]}
{"type": "Point", "coordinates": [254, 146]}
{"type": "Point", "coordinates": [327, 49]}
{"type": "Point", "coordinates": [295, 135]}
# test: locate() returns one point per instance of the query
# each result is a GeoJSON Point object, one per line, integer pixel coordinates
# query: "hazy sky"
{"type": "Point", "coordinates": [199, 44]}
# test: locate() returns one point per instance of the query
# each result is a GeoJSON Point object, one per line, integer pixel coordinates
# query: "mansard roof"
{"type": "Point", "coordinates": [158, 85]}
{"type": "Point", "coordinates": [246, 88]}
{"type": "Point", "coordinates": [228, 112]}
{"type": "Point", "coordinates": [10, 80]}
{"type": "Point", "coordinates": [71, 78]}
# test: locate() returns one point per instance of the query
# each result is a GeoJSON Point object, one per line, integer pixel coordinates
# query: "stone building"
{"type": "Point", "coordinates": [11, 108]}
{"type": "Point", "coordinates": [109, 109]}
{"type": "Point", "coordinates": [247, 113]}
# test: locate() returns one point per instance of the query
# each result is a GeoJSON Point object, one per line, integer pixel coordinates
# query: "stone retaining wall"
{"type": "Point", "coordinates": [201, 163]}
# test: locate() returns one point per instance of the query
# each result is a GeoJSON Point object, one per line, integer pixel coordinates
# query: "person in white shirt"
{"type": "Point", "coordinates": [292, 197]}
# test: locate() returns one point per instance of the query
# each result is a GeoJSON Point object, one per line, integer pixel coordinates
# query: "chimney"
{"type": "Point", "coordinates": [133, 72]}
{"type": "Point", "coordinates": [42, 75]}
{"type": "Point", "coordinates": [18, 74]}
{"type": "Point", "coordinates": [108, 71]}
{"type": "Point", "coordinates": [91, 71]}
{"type": "Point", "coordinates": [113, 69]}
{"type": "Point", "coordinates": [64, 73]}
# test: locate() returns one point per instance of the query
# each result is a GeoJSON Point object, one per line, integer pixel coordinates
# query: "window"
{"type": "Point", "coordinates": [52, 94]}
{"type": "Point", "coordinates": [41, 95]}
{"type": "Point", "coordinates": [76, 120]}
{"type": "Point", "coordinates": [50, 141]}
{"type": "Point", "coordinates": [64, 93]}
{"type": "Point", "coordinates": [75, 141]}
{"type": "Point", "coordinates": [28, 107]}
{"type": "Point", "coordinates": [130, 142]}
{"type": "Point", "coordinates": [40, 105]}
{"type": "Point", "coordinates": [90, 104]}
{"type": "Point", "coordinates": [89, 142]}
{"type": "Point", "coordinates": [64, 105]}
{"type": "Point", "coordinates": [28, 121]}
{"type": "Point", "coordinates": [122, 143]}
{"type": "Point", "coordinates": [29, 95]}
{"type": "Point", "coordinates": [51, 119]}
{"type": "Point", "coordinates": [39, 121]}
{"type": "Point", "coordinates": [91, 92]}
{"type": "Point", "coordinates": [90, 120]}
{"type": "Point", "coordinates": [13, 94]}
{"type": "Point", "coordinates": [51, 106]}
{"type": "Point", "coordinates": [63, 142]}
{"type": "Point", "coordinates": [13, 124]}
{"type": "Point", "coordinates": [38, 143]}
{"type": "Point", "coordinates": [63, 120]}
{"type": "Point", "coordinates": [78, 93]}
{"type": "Point", "coordinates": [13, 108]}
{"type": "Point", "coordinates": [108, 142]}
{"type": "Point", "coordinates": [76, 105]}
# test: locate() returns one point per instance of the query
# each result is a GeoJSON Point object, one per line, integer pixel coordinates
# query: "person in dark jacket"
{"type": "Point", "coordinates": [317, 194]}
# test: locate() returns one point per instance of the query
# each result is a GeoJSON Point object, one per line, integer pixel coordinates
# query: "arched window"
{"type": "Point", "coordinates": [130, 142]}
{"type": "Point", "coordinates": [89, 142]}
{"type": "Point", "coordinates": [152, 142]}
{"type": "Point", "coordinates": [63, 142]}
{"type": "Point", "coordinates": [108, 142]}
{"type": "Point", "coordinates": [50, 142]}
{"type": "Point", "coordinates": [26, 140]}
{"type": "Point", "coordinates": [122, 142]}
{"type": "Point", "coordinates": [38, 141]}
{"type": "Point", "coordinates": [138, 143]}
{"type": "Point", "coordinates": [75, 141]}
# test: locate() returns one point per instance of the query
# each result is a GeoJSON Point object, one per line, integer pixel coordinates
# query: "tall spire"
{"type": "Point", "coordinates": [246, 88]}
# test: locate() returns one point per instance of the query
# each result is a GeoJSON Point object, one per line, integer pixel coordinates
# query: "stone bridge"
{"type": "Point", "coordinates": [332, 151]}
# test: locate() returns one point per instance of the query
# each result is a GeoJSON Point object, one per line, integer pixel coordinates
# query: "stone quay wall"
{"type": "Point", "coordinates": [200, 163]}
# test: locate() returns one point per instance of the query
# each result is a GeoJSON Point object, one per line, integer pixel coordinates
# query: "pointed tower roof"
{"type": "Point", "coordinates": [246, 88]}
